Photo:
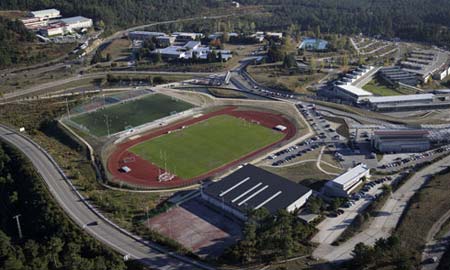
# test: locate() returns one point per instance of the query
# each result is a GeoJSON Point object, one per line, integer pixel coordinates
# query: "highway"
{"type": "Point", "coordinates": [82, 213]}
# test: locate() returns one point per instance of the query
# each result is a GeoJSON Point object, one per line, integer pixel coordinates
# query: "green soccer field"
{"type": "Point", "coordinates": [130, 114]}
{"type": "Point", "coordinates": [206, 145]}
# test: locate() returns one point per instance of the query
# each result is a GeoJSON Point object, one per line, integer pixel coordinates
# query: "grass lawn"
{"type": "Point", "coordinates": [275, 76]}
{"type": "Point", "coordinates": [132, 113]}
{"type": "Point", "coordinates": [377, 88]}
{"type": "Point", "coordinates": [118, 48]}
{"type": "Point", "coordinates": [225, 93]}
{"type": "Point", "coordinates": [207, 145]}
{"type": "Point", "coordinates": [306, 174]}
{"type": "Point", "coordinates": [426, 207]}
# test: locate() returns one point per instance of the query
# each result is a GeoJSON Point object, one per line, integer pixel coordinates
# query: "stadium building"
{"type": "Point", "coordinates": [401, 141]}
{"type": "Point", "coordinates": [251, 188]}
{"type": "Point", "coordinates": [347, 182]}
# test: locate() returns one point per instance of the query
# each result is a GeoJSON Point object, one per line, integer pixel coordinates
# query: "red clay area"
{"type": "Point", "coordinates": [144, 173]}
{"type": "Point", "coordinates": [197, 227]}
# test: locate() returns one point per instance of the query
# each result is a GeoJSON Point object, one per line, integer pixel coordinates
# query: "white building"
{"type": "Point", "coordinates": [351, 93]}
{"type": "Point", "coordinates": [347, 182]}
{"type": "Point", "coordinates": [45, 14]}
{"type": "Point", "coordinates": [54, 30]}
{"type": "Point", "coordinates": [190, 49]}
{"type": "Point", "coordinates": [252, 188]}
{"type": "Point", "coordinates": [274, 35]}
{"type": "Point", "coordinates": [185, 36]}
{"type": "Point", "coordinates": [76, 23]}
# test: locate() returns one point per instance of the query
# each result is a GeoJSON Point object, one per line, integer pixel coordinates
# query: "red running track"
{"type": "Point", "coordinates": [145, 174]}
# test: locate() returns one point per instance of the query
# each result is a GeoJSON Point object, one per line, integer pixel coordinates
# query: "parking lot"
{"type": "Point", "coordinates": [393, 163]}
{"type": "Point", "coordinates": [326, 135]}
{"type": "Point", "coordinates": [336, 222]}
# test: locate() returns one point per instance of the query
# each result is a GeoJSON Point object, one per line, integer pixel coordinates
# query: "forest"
{"type": "Point", "coordinates": [120, 13]}
{"type": "Point", "coordinates": [50, 240]}
{"type": "Point", "coordinates": [269, 238]}
{"type": "Point", "coordinates": [416, 20]}
{"type": "Point", "coordinates": [12, 33]}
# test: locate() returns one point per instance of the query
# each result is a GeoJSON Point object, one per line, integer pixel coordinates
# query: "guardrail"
{"type": "Point", "coordinates": [100, 215]}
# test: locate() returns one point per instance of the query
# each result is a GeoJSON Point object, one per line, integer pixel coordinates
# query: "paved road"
{"type": "Point", "coordinates": [331, 228]}
{"type": "Point", "coordinates": [38, 88]}
{"type": "Point", "coordinates": [382, 225]}
{"type": "Point", "coordinates": [436, 247]}
{"type": "Point", "coordinates": [82, 214]}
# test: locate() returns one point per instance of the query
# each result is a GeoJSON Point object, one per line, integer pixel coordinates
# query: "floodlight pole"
{"type": "Point", "coordinates": [146, 212]}
{"type": "Point", "coordinates": [19, 229]}
{"type": "Point", "coordinates": [67, 107]}
{"type": "Point", "coordinates": [107, 123]}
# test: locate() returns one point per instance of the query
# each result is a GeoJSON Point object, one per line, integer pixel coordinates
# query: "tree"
{"type": "Point", "coordinates": [156, 58]}
{"type": "Point", "coordinates": [317, 31]}
{"type": "Point", "coordinates": [225, 37]}
{"type": "Point", "coordinates": [275, 53]}
{"type": "Point", "coordinates": [289, 61]}
{"type": "Point", "coordinates": [314, 204]}
{"type": "Point", "coordinates": [97, 57]}
{"type": "Point", "coordinates": [362, 256]}
{"type": "Point", "coordinates": [101, 24]}
{"type": "Point", "coordinates": [312, 65]}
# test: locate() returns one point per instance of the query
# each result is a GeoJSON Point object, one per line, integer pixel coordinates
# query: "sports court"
{"type": "Point", "coordinates": [197, 227]}
{"type": "Point", "coordinates": [145, 173]}
{"type": "Point", "coordinates": [128, 114]}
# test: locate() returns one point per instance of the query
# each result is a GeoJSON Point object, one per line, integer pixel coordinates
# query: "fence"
{"type": "Point", "coordinates": [100, 215]}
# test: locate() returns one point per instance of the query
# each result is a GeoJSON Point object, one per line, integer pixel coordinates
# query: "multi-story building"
{"type": "Point", "coordinates": [346, 183]}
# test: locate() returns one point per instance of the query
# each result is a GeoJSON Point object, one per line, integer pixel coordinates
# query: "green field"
{"type": "Point", "coordinates": [206, 145]}
{"type": "Point", "coordinates": [380, 89]}
{"type": "Point", "coordinates": [132, 113]}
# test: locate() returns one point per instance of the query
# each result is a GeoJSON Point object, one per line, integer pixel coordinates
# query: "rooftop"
{"type": "Point", "coordinates": [147, 33]}
{"type": "Point", "coordinates": [44, 12]}
{"type": "Point", "coordinates": [355, 90]}
{"type": "Point", "coordinates": [74, 19]}
{"type": "Point", "coordinates": [402, 132]}
{"type": "Point", "coordinates": [351, 174]}
{"type": "Point", "coordinates": [402, 98]}
{"type": "Point", "coordinates": [252, 188]}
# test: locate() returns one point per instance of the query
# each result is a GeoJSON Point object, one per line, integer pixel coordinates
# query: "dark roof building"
{"type": "Point", "coordinates": [401, 141]}
{"type": "Point", "coordinates": [395, 75]}
{"type": "Point", "coordinates": [252, 188]}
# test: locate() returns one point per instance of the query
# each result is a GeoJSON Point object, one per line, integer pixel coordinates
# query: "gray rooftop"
{"type": "Point", "coordinates": [252, 188]}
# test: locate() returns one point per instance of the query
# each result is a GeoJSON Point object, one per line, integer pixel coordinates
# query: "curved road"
{"type": "Point", "coordinates": [384, 224]}
{"type": "Point", "coordinates": [83, 213]}
{"type": "Point", "coordinates": [44, 86]}
{"type": "Point", "coordinates": [436, 247]}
